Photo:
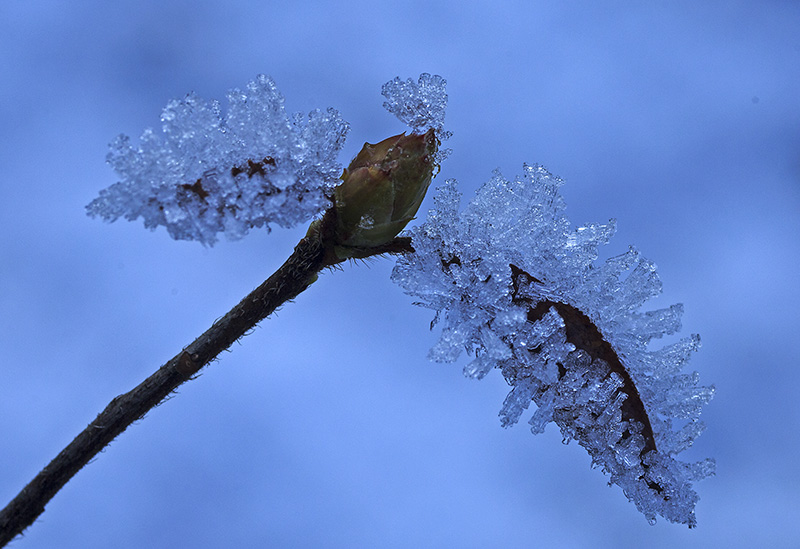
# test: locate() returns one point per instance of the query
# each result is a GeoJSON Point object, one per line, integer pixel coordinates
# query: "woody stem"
{"type": "Point", "coordinates": [312, 254]}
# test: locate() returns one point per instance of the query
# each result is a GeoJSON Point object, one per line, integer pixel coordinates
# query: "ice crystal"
{"type": "Point", "coordinates": [517, 287]}
{"type": "Point", "coordinates": [421, 105]}
{"type": "Point", "coordinates": [205, 173]}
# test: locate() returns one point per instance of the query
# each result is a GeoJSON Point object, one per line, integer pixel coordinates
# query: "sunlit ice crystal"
{"type": "Point", "coordinates": [207, 173]}
{"type": "Point", "coordinates": [513, 283]}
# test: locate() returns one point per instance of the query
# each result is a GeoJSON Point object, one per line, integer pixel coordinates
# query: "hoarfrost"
{"type": "Point", "coordinates": [516, 286]}
{"type": "Point", "coordinates": [421, 105]}
{"type": "Point", "coordinates": [206, 173]}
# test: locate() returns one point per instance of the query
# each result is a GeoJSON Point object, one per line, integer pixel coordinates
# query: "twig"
{"type": "Point", "coordinates": [312, 254]}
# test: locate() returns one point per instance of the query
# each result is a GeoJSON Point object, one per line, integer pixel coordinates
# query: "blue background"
{"type": "Point", "coordinates": [327, 426]}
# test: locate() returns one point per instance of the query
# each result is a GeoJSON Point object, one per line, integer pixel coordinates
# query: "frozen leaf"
{"type": "Point", "coordinates": [206, 173]}
{"type": "Point", "coordinates": [580, 351]}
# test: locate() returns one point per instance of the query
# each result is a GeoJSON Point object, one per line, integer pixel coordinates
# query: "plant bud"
{"type": "Point", "coordinates": [382, 189]}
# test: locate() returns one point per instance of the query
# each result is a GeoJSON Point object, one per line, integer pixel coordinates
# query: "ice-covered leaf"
{"type": "Point", "coordinates": [206, 173]}
{"type": "Point", "coordinates": [579, 350]}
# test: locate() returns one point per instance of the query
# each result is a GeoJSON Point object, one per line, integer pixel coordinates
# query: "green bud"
{"type": "Point", "coordinates": [382, 190]}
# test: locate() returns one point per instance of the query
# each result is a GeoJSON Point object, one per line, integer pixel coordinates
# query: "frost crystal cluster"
{"type": "Point", "coordinates": [421, 105]}
{"type": "Point", "coordinates": [517, 287]}
{"type": "Point", "coordinates": [206, 173]}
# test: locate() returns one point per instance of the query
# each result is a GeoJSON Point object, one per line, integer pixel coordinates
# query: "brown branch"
{"type": "Point", "coordinates": [312, 254]}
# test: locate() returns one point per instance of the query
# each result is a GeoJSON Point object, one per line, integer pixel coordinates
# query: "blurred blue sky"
{"type": "Point", "coordinates": [327, 427]}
